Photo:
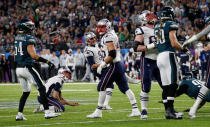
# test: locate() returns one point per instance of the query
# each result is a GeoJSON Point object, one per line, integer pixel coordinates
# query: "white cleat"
{"type": "Point", "coordinates": [51, 115]}
{"type": "Point", "coordinates": [135, 113]}
{"type": "Point", "coordinates": [20, 117]}
{"type": "Point", "coordinates": [96, 114]}
{"type": "Point", "coordinates": [39, 109]}
{"type": "Point", "coordinates": [107, 107]}
{"type": "Point", "coordinates": [144, 115]}
{"type": "Point", "coordinates": [179, 114]}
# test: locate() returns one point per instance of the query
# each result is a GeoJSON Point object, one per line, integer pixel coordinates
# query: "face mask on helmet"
{"type": "Point", "coordinates": [151, 18]}
{"type": "Point", "coordinates": [90, 38]}
{"type": "Point", "coordinates": [103, 27]}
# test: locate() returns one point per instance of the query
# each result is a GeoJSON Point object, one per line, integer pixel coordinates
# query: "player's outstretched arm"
{"type": "Point", "coordinates": [197, 36]}
{"type": "Point", "coordinates": [32, 53]}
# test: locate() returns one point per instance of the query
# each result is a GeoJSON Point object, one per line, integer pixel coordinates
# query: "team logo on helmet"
{"type": "Point", "coordinates": [167, 13]}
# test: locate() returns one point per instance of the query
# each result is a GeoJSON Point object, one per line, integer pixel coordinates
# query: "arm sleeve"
{"type": "Point", "coordinates": [181, 90]}
{"type": "Point", "coordinates": [90, 60]}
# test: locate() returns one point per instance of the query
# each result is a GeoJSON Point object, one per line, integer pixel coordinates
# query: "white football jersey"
{"type": "Point", "coordinates": [98, 54]}
{"type": "Point", "coordinates": [70, 60]}
{"type": "Point", "coordinates": [52, 81]}
{"type": "Point", "coordinates": [149, 37]}
{"type": "Point", "coordinates": [111, 36]}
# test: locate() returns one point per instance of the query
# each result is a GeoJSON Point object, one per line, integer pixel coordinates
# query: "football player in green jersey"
{"type": "Point", "coordinates": [167, 44]}
{"type": "Point", "coordinates": [204, 90]}
{"type": "Point", "coordinates": [26, 74]}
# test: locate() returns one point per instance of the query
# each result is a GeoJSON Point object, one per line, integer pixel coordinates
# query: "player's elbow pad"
{"type": "Point", "coordinates": [112, 53]}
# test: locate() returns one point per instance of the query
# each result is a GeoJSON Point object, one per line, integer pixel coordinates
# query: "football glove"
{"type": "Point", "coordinates": [51, 65]}
{"type": "Point", "coordinates": [100, 67]}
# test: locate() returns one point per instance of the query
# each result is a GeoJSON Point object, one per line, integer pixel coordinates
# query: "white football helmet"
{"type": "Point", "coordinates": [141, 19]}
{"type": "Point", "coordinates": [90, 38]}
{"type": "Point", "coordinates": [103, 26]}
{"type": "Point", "coordinates": [66, 72]}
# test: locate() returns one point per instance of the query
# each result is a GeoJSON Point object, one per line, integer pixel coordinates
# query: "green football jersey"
{"type": "Point", "coordinates": [22, 56]}
{"type": "Point", "coordinates": [193, 88]}
{"type": "Point", "coordinates": [162, 35]}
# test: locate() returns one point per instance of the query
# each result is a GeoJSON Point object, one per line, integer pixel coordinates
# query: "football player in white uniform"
{"type": "Point", "coordinates": [53, 89]}
{"type": "Point", "coordinates": [94, 55]}
{"type": "Point", "coordinates": [115, 72]}
{"type": "Point", "coordinates": [145, 39]}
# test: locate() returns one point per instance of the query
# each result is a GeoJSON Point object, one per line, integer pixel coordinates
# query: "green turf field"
{"type": "Point", "coordinates": [87, 95]}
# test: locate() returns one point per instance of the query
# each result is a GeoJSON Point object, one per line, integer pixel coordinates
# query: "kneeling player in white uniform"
{"type": "Point", "coordinates": [53, 89]}
{"type": "Point", "coordinates": [115, 72]}
{"type": "Point", "coordinates": [94, 55]}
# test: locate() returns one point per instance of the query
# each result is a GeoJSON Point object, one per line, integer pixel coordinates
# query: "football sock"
{"type": "Point", "coordinates": [101, 98]}
{"type": "Point", "coordinates": [164, 96]}
{"type": "Point", "coordinates": [108, 95]}
{"type": "Point", "coordinates": [43, 97]}
{"type": "Point", "coordinates": [144, 98]}
{"type": "Point", "coordinates": [171, 95]}
{"type": "Point", "coordinates": [23, 100]}
{"type": "Point", "coordinates": [201, 95]}
{"type": "Point", "coordinates": [132, 98]}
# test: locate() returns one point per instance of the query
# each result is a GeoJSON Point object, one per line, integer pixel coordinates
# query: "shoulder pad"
{"type": "Point", "coordinates": [109, 38]}
{"type": "Point", "coordinates": [139, 31]}
{"type": "Point", "coordinates": [88, 53]}
{"type": "Point", "coordinates": [173, 26]}
{"type": "Point", "coordinates": [31, 39]}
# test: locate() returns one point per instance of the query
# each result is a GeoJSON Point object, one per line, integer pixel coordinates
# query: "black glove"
{"type": "Point", "coordinates": [184, 50]}
{"type": "Point", "coordinates": [51, 65]}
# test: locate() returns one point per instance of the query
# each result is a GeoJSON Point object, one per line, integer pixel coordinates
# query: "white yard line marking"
{"type": "Point", "coordinates": [99, 121]}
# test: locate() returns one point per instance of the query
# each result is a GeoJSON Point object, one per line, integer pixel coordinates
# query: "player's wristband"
{"type": "Point", "coordinates": [150, 46]}
{"type": "Point", "coordinates": [41, 59]}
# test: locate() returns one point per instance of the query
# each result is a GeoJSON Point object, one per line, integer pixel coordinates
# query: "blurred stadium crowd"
{"type": "Point", "coordinates": [61, 24]}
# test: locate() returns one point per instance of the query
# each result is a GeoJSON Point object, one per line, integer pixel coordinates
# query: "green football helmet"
{"type": "Point", "coordinates": [26, 26]}
{"type": "Point", "coordinates": [167, 13]}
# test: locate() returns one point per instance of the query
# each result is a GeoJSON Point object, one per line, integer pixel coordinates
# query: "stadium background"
{"type": "Point", "coordinates": [61, 24]}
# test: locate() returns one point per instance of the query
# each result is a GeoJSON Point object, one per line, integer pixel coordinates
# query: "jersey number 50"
{"type": "Point", "coordinates": [18, 48]}
{"type": "Point", "coordinates": [160, 36]}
